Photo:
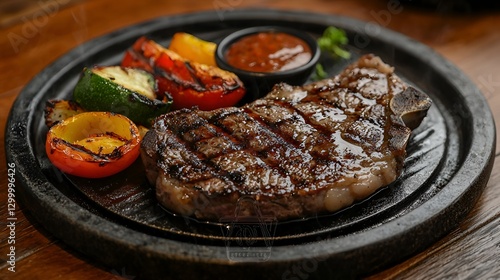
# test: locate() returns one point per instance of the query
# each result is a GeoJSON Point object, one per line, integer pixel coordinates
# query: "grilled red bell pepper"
{"type": "Point", "coordinates": [189, 83]}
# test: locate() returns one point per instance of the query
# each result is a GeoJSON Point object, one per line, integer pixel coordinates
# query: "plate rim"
{"type": "Point", "coordinates": [410, 225]}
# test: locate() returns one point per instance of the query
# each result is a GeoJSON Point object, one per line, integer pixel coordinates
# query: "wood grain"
{"type": "Point", "coordinates": [470, 41]}
{"type": "Point", "coordinates": [15, 11]}
{"type": "Point", "coordinates": [471, 251]}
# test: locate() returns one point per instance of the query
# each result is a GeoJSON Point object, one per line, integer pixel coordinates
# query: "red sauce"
{"type": "Point", "coordinates": [268, 52]}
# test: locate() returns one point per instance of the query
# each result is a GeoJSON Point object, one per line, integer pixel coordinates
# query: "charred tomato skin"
{"type": "Point", "coordinates": [77, 160]}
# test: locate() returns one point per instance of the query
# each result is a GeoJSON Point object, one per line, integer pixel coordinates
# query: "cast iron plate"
{"type": "Point", "coordinates": [118, 222]}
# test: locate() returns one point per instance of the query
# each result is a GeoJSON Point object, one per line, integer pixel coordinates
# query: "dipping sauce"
{"type": "Point", "coordinates": [268, 52]}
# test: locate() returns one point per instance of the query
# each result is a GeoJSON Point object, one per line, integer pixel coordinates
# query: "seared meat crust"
{"type": "Point", "coordinates": [298, 151]}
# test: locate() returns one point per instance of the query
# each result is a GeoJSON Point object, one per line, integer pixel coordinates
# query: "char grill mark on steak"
{"type": "Point", "coordinates": [229, 141]}
{"type": "Point", "coordinates": [263, 148]}
{"type": "Point", "coordinates": [297, 151]}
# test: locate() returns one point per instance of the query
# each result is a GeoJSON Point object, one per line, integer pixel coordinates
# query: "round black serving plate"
{"type": "Point", "coordinates": [118, 222]}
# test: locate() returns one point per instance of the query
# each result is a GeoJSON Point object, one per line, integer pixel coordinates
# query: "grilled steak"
{"type": "Point", "coordinates": [298, 151]}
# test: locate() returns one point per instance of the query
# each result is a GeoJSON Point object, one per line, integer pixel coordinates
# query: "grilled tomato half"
{"type": "Point", "coordinates": [93, 144]}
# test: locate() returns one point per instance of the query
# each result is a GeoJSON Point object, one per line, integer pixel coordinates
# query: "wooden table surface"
{"type": "Point", "coordinates": [48, 29]}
